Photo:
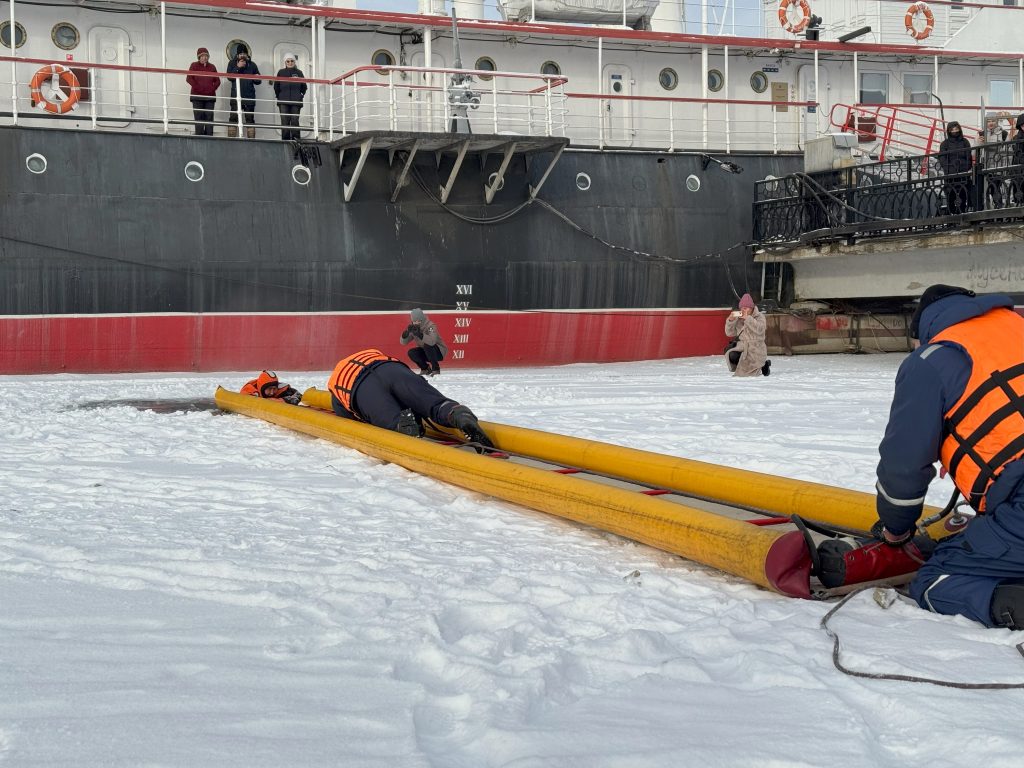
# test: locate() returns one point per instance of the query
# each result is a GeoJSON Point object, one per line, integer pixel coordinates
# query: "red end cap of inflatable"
{"type": "Point", "coordinates": [788, 565]}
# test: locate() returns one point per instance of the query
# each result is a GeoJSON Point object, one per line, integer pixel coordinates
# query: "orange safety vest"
{"type": "Point", "coordinates": [343, 380]}
{"type": "Point", "coordinates": [984, 430]}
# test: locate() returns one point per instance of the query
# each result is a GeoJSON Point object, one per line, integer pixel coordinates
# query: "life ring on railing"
{"type": "Point", "coordinates": [929, 20]}
{"type": "Point", "coordinates": [805, 9]}
{"type": "Point", "coordinates": [59, 76]}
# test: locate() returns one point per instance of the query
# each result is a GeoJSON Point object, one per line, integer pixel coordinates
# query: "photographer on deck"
{"type": "Point", "coordinates": [430, 349]}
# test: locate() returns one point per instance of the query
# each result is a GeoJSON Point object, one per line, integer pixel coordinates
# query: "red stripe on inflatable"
{"type": "Point", "coordinates": [788, 565]}
{"type": "Point", "coordinates": [311, 342]}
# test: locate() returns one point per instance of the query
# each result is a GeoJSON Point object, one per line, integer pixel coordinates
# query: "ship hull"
{"type": "Point", "coordinates": [113, 259]}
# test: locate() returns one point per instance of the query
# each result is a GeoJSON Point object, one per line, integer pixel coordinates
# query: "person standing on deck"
{"type": "Point", "coordinates": [289, 97]}
{"type": "Point", "coordinates": [204, 92]}
{"type": "Point", "coordinates": [242, 65]}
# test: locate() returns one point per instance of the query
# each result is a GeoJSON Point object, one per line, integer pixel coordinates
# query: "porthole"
{"type": "Point", "coordinates": [759, 82]}
{"type": "Point", "coordinates": [65, 36]}
{"type": "Point", "coordinates": [715, 80]}
{"type": "Point", "coordinates": [668, 78]}
{"type": "Point", "coordinates": [36, 163]}
{"type": "Point", "coordinates": [194, 171]}
{"type": "Point", "coordinates": [19, 34]}
{"type": "Point", "coordinates": [382, 58]}
{"type": "Point", "coordinates": [487, 64]}
{"type": "Point", "coordinates": [550, 68]}
{"type": "Point", "coordinates": [692, 183]}
{"type": "Point", "coordinates": [501, 184]}
{"type": "Point", "coordinates": [582, 182]}
{"type": "Point", "coordinates": [301, 175]}
{"type": "Point", "coordinates": [235, 46]}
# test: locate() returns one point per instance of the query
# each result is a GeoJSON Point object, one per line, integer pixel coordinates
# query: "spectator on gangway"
{"type": "Point", "coordinates": [1016, 172]}
{"type": "Point", "coordinates": [289, 98]}
{"type": "Point", "coordinates": [430, 348]}
{"type": "Point", "coordinates": [243, 65]}
{"type": "Point", "coordinates": [995, 156]}
{"type": "Point", "coordinates": [204, 92]}
{"type": "Point", "coordinates": [955, 161]}
{"type": "Point", "coordinates": [747, 353]}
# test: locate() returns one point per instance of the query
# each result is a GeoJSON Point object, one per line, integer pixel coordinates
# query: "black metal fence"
{"type": "Point", "coordinates": [911, 194]}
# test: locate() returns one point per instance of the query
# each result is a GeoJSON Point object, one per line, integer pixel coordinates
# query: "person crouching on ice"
{"type": "Point", "coordinates": [959, 400]}
{"type": "Point", "coordinates": [430, 349]}
{"type": "Point", "coordinates": [375, 388]}
{"type": "Point", "coordinates": [748, 355]}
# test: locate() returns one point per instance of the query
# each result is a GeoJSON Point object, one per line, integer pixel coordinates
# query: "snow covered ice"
{"type": "Point", "coordinates": [186, 587]}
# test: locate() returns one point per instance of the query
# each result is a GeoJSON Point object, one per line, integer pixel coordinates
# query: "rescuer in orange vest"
{"type": "Point", "coordinates": [376, 388]}
{"type": "Point", "coordinates": [959, 400]}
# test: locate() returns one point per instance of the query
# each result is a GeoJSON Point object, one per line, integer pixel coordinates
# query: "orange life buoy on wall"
{"type": "Point", "coordinates": [929, 20]}
{"type": "Point", "coordinates": [805, 10]}
{"type": "Point", "coordinates": [59, 77]}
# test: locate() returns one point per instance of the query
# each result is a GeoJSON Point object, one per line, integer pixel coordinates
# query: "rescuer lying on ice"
{"type": "Point", "coordinates": [373, 387]}
{"type": "Point", "coordinates": [267, 385]}
{"type": "Point", "coordinates": [959, 399]}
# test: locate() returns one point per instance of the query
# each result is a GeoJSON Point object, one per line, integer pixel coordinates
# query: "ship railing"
{"type": "Point", "coordinates": [913, 194]}
{"type": "Point", "coordinates": [146, 98]}
{"type": "Point", "coordinates": [894, 130]}
{"type": "Point", "coordinates": [684, 123]}
{"type": "Point", "coordinates": [436, 99]}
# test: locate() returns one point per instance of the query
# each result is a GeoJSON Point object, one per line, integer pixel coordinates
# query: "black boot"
{"type": "Point", "coordinates": [409, 424]}
{"type": "Point", "coordinates": [437, 370]}
{"type": "Point", "coordinates": [464, 419]}
{"type": "Point", "coordinates": [1008, 605]}
{"type": "Point", "coordinates": [766, 369]}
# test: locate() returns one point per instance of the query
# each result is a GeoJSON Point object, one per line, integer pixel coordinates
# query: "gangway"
{"type": "Point", "coordinates": [903, 126]}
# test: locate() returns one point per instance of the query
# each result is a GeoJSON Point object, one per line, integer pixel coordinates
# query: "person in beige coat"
{"type": "Point", "coordinates": [748, 356]}
{"type": "Point", "coordinates": [430, 348]}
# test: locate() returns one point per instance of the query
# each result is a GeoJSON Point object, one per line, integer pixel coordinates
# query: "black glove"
{"type": "Point", "coordinates": [879, 533]}
{"type": "Point", "coordinates": [416, 331]}
{"type": "Point", "coordinates": [292, 396]}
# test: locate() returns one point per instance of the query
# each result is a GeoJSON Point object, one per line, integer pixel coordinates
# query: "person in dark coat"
{"type": "Point", "coordinates": [373, 387]}
{"type": "Point", "coordinates": [430, 348]}
{"type": "Point", "coordinates": [955, 161]}
{"type": "Point", "coordinates": [242, 65]}
{"type": "Point", "coordinates": [1016, 171]}
{"type": "Point", "coordinates": [959, 400]}
{"type": "Point", "coordinates": [204, 92]}
{"type": "Point", "coordinates": [289, 98]}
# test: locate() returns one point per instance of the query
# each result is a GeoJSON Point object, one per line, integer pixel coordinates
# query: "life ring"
{"type": "Point", "coordinates": [805, 10]}
{"type": "Point", "coordinates": [929, 20]}
{"type": "Point", "coordinates": [58, 76]}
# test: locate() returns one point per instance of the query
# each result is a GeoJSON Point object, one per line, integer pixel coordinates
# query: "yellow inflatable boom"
{"type": "Point", "coordinates": [773, 559]}
{"type": "Point", "coordinates": [726, 485]}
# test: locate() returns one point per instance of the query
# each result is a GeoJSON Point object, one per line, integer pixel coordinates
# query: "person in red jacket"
{"type": "Point", "coordinates": [204, 92]}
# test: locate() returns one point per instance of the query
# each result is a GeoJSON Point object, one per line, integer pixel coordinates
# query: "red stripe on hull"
{"type": "Point", "coordinates": [315, 342]}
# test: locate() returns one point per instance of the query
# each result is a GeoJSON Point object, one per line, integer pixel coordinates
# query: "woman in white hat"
{"type": "Point", "coordinates": [289, 97]}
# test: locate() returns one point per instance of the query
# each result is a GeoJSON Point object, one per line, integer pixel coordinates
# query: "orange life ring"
{"type": "Point", "coordinates": [65, 77]}
{"type": "Point", "coordinates": [929, 20]}
{"type": "Point", "coordinates": [805, 9]}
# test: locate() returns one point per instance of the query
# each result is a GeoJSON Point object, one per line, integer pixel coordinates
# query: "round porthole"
{"type": "Point", "coordinates": [715, 80]}
{"type": "Point", "coordinates": [65, 36]}
{"type": "Point", "coordinates": [668, 79]}
{"type": "Point", "coordinates": [235, 46]}
{"type": "Point", "coordinates": [486, 63]}
{"type": "Point", "coordinates": [501, 184]}
{"type": "Point", "coordinates": [301, 175]}
{"type": "Point", "coordinates": [582, 182]}
{"type": "Point", "coordinates": [19, 34]}
{"type": "Point", "coordinates": [550, 68]}
{"type": "Point", "coordinates": [617, 86]}
{"type": "Point", "coordinates": [759, 82]}
{"type": "Point", "coordinates": [36, 163]}
{"type": "Point", "coordinates": [194, 171]}
{"type": "Point", "coordinates": [383, 58]}
{"type": "Point", "coordinates": [692, 183]}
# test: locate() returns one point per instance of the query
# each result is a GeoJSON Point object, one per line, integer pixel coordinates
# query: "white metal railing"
{"type": "Point", "coordinates": [429, 98]}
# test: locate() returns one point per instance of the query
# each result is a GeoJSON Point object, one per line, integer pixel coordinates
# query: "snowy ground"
{"type": "Point", "coordinates": [192, 588]}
